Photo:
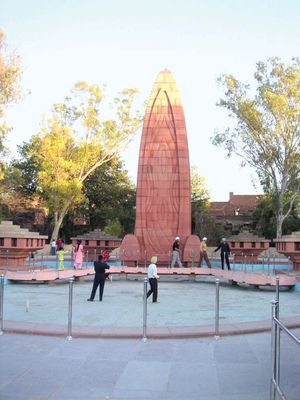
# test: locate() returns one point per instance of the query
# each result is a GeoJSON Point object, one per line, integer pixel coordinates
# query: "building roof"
{"type": "Point", "coordinates": [246, 237]}
{"type": "Point", "coordinates": [97, 234]}
{"type": "Point", "coordinates": [241, 204]}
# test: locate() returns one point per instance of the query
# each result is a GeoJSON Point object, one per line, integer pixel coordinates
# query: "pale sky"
{"type": "Point", "coordinates": [126, 43]}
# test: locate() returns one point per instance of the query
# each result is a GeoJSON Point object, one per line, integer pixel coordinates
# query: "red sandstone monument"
{"type": "Point", "coordinates": [163, 201]}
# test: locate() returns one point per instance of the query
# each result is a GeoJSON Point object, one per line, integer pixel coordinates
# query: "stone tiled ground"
{"type": "Point", "coordinates": [232, 368]}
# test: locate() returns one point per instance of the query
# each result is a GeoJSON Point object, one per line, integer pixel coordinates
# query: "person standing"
{"type": "Point", "coordinates": [53, 247]}
{"type": "Point", "coordinates": [78, 260]}
{"type": "Point", "coordinates": [176, 253]}
{"type": "Point", "coordinates": [225, 251]}
{"type": "Point", "coordinates": [203, 253]}
{"type": "Point", "coordinates": [61, 256]}
{"type": "Point", "coordinates": [105, 255]}
{"type": "Point", "coordinates": [152, 277]}
{"type": "Point", "coordinates": [99, 279]}
{"type": "Point", "coordinates": [60, 243]}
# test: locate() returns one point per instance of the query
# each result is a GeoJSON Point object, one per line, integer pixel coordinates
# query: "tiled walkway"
{"type": "Point", "coordinates": [232, 368]}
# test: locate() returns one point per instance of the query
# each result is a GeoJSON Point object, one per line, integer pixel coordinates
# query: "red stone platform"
{"type": "Point", "coordinates": [239, 277]}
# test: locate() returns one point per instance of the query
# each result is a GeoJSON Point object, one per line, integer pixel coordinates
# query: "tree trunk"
{"type": "Point", "coordinates": [279, 222]}
{"type": "Point", "coordinates": [57, 224]}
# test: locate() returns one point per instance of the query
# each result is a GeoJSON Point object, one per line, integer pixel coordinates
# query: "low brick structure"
{"type": "Point", "coordinates": [95, 242]}
{"type": "Point", "coordinates": [289, 245]}
{"type": "Point", "coordinates": [247, 244]}
{"type": "Point", "coordinates": [16, 244]}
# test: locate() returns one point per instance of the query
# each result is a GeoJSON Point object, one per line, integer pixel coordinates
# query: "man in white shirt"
{"type": "Point", "coordinates": [152, 277]}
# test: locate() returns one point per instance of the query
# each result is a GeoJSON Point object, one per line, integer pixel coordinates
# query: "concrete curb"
{"type": "Point", "coordinates": [177, 332]}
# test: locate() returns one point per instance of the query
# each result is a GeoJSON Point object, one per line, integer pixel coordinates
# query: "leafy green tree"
{"type": "Point", "coordinates": [111, 196]}
{"type": "Point", "coordinates": [267, 131]}
{"type": "Point", "coordinates": [10, 89]}
{"type": "Point", "coordinates": [113, 227]}
{"type": "Point", "coordinates": [200, 200]}
{"type": "Point", "coordinates": [74, 142]}
{"type": "Point", "coordinates": [264, 219]}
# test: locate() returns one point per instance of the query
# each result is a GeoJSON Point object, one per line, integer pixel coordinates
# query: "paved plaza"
{"type": "Point", "coordinates": [237, 367]}
{"type": "Point", "coordinates": [182, 304]}
{"type": "Point", "coordinates": [231, 368]}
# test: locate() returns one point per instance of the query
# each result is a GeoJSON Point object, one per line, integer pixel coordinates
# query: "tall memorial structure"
{"type": "Point", "coordinates": [163, 198]}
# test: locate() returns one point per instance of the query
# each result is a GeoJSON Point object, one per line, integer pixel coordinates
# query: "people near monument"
{"type": "Point", "coordinates": [105, 255]}
{"type": "Point", "coordinates": [203, 253]}
{"type": "Point", "coordinates": [99, 280]}
{"type": "Point", "coordinates": [60, 243]}
{"type": "Point", "coordinates": [152, 277]}
{"type": "Point", "coordinates": [225, 251]}
{"type": "Point", "coordinates": [176, 253]}
{"type": "Point", "coordinates": [53, 247]}
{"type": "Point", "coordinates": [78, 260]}
{"type": "Point", "coordinates": [60, 256]}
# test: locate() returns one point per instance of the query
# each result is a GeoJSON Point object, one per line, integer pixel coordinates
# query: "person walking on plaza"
{"type": "Point", "coordinates": [176, 253]}
{"type": "Point", "coordinates": [60, 256]}
{"type": "Point", "coordinates": [225, 251]}
{"type": "Point", "coordinates": [203, 253]}
{"type": "Point", "coordinates": [53, 247]}
{"type": "Point", "coordinates": [152, 277]}
{"type": "Point", "coordinates": [78, 260]}
{"type": "Point", "coordinates": [99, 279]}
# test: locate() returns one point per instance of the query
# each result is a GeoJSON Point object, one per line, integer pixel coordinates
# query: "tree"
{"type": "Point", "coordinates": [267, 131]}
{"type": "Point", "coordinates": [200, 199]}
{"type": "Point", "coordinates": [10, 89]}
{"type": "Point", "coordinates": [74, 142]}
{"type": "Point", "coordinates": [111, 196]}
{"type": "Point", "coordinates": [264, 218]}
{"type": "Point", "coordinates": [113, 227]}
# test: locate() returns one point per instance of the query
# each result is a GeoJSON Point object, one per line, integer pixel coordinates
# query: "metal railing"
{"type": "Point", "coordinates": [145, 310]}
{"type": "Point", "coordinates": [144, 325]}
{"type": "Point", "coordinates": [277, 328]}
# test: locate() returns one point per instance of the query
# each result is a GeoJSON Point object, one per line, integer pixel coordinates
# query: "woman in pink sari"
{"type": "Point", "coordinates": [78, 260]}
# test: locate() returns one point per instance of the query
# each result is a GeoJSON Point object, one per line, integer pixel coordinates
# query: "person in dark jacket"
{"type": "Point", "coordinates": [100, 276]}
{"type": "Point", "coordinates": [225, 251]}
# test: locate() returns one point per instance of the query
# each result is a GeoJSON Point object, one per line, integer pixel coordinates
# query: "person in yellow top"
{"type": "Point", "coordinates": [203, 253]}
{"type": "Point", "coordinates": [61, 256]}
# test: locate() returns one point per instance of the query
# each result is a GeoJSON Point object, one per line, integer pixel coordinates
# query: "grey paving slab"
{"type": "Point", "coordinates": [155, 371]}
{"type": "Point", "coordinates": [234, 353]}
{"type": "Point", "coordinates": [186, 378]}
{"type": "Point", "coordinates": [241, 378]}
{"type": "Point", "coordinates": [51, 368]}
{"type": "Point", "coordinates": [194, 351]}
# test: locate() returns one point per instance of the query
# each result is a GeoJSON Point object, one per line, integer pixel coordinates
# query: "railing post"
{"type": "Point", "coordinates": [217, 308]}
{"type": "Point", "coordinates": [145, 311]}
{"type": "Point", "coordinates": [274, 349]}
{"type": "Point", "coordinates": [1, 302]}
{"type": "Point", "coordinates": [277, 332]}
{"type": "Point", "coordinates": [277, 295]}
{"type": "Point", "coordinates": [69, 337]}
